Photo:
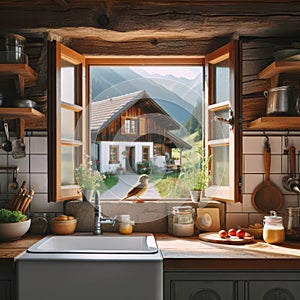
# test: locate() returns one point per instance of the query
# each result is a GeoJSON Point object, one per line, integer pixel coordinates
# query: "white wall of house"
{"type": "Point", "coordinates": [105, 166]}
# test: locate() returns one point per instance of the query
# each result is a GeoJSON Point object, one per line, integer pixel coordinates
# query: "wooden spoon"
{"type": "Point", "coordinates": [267, 196]}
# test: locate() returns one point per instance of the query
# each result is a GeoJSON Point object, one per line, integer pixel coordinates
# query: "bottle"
{"type": "Point", "coordinates": [273, 232]}
{"type": "Point", "coordinates": [183, 222]}
{"type": "Point", "coordinates": [125, 226]}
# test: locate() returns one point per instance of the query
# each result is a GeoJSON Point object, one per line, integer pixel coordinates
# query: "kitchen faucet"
{"type": "Point", "coordinates": [98, 219]}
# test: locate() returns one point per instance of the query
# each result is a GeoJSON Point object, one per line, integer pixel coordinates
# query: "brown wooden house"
{"type": "Point", "coordinates": [132, 128]}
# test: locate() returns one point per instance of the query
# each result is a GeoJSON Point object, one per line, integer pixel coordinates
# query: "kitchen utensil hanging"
{"type": "Point", "coordinates": [267, 196]}
{"type": "Point", "coordinates": [14, 184]}
{"type": "Point", "coordinates": [6, 144]}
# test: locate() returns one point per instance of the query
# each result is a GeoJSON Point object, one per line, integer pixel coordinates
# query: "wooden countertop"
{"type": "Point", "coordinates": [190, 253]}
{"type": "Point", "coordinates": [10, 250]}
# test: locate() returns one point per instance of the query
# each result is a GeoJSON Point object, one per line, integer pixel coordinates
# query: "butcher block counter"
{"type": "Point", "coordinates": [190, 253]}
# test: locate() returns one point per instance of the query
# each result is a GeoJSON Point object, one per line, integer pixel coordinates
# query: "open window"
{"type": "Point", "coordinates": [67, 122]}
{"type": "Point", "coordinates": [222, 115]}
{"type": "Point", "coordinates": [69, 132]}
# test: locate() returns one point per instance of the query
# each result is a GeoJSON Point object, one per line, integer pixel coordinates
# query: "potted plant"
{"type": "Point", "coordinates": [13, 224]}
{"type": "Point", "coordinates": [195, 172]}
{"type": "Point", "coordinates": [89, 179]}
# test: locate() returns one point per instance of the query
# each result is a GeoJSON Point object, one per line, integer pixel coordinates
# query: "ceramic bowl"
{"type": "Point", "coordinates": [13, 231]}
{"type": "Point", "coordinates": [63, 227]}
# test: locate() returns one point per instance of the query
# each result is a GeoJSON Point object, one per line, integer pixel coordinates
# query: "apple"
{"type": "Point", "coordinates": [222, 234]}
{"type": "Point", "coordinates": [232, 232]}
{"type": "Point", "coordinates": [240, 233]}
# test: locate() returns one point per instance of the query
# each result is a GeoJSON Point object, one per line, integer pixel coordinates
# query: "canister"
{"type": "Point", "coordinates": [273, 231]}
{"type": "Point", "coordinates": [183, 221]}
{"type": "Point", "coordinates": [292, 223]}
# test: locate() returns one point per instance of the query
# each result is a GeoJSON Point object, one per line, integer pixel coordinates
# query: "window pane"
{"type": "Point", "coordinates": [222, 84]}
{"type": "Point", "coordinates": [67, 82]}
{"type": "Point", "coordinates": [220, 165]}
{"type": "Point", "coordinates": [67, 124]}
{"type": "Point", "coordinates": [67, 165]}
{"type": "Point", "coordinates": [219, 129]}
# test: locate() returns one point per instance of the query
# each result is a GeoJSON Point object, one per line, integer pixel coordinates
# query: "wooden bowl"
{"type": "Point", "coordinates": [63, 227]}
{"type": "Point", "coordinates": [13, 231]}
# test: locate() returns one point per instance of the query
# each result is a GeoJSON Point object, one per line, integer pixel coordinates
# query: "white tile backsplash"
{"type": "Point", "coordinates": [38, 164]}
{"type": "Point", "coordinates": [38, 145]}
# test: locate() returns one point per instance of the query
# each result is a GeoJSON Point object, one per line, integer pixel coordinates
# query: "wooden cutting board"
{"type": "Point", "coordinates": [233, 240]}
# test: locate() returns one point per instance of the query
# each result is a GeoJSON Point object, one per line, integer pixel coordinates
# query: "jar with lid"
{"type": "Point", "coordinates": [273, 231]}
{"type": "Point", "coordinates": [292, 223]}
{"type": "Point", "coordinates": [125, 226]}
{"type": "Point", "coordinates": [183, 221]}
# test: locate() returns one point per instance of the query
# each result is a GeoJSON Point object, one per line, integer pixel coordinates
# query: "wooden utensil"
{"type": "Point", "coordinates": [267, 196]}
{"type": "Point", "coordinates": [27, 201]}
{"type": "Point", "coordinates": [12, 203]}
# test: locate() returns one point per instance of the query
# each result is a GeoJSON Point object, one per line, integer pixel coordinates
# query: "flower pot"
{"type": "Point", "coordinates": [88, 195]}
{"type": "Point", "coordinates": [196, 195]}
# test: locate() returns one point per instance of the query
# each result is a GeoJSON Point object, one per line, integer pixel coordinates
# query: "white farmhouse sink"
{"type": "Point", "coordinates": [86, 266]}
{"type": "Point", "coordinates": [143, 244]}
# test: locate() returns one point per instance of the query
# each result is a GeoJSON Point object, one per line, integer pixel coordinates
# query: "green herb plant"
{"type": "Point", "coordinates": [8, 216]}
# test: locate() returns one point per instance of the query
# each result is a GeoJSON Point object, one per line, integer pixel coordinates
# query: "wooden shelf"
{"type": "Point", "coordinates": [23, 70]}
{"type": "Point", "coordinates": [275, 123]}
{"type": "Point", "coordinates": [279, 67]}
{"type": "Point", "coordinates": [20, 113]}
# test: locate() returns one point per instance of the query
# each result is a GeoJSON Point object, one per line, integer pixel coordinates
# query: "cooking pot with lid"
{"type": "Point", "coordinates": [281, 101]}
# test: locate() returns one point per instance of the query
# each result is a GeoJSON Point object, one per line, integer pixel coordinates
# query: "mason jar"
{"type": "Point", "coordinates": [273, 231]}
{"type": "Point", "coordinates": [183, 221]}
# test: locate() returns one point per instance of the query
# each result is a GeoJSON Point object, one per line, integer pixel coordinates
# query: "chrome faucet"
{"type": "Point", "coordinates": [98, 219]}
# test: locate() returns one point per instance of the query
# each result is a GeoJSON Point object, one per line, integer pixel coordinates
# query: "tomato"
{"type": "Point", "coordinates": [222, 234]}
{"type": "Point", "coordinates": [240, 233]}
{"type": "Point", "coordinates": [232, 232]}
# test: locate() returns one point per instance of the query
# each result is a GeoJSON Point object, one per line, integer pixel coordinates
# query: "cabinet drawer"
{"type": "Point", "coordinates": [198, 290]}
{"type": "Point", "coordinates": [273, 290]}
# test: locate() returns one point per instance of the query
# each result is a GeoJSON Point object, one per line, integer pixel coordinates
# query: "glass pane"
{"type": "Point", "coordinates": [219, 129]}
{"type": "Point", "coordinates": [222, 84]}
{"type": "Point", "coordinates": [67, 165]}
{"type": "Point", "coordinates": [67, 124]}
{"type": "Point", "coordinates": [67, 82]}
{"type": "Point", "coordinates": [220, 165]}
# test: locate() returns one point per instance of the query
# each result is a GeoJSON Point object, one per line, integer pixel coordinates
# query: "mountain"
{"type": "Point", "coordinates": [174, 95]}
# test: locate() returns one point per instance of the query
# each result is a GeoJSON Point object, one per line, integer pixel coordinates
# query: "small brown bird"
{"type": "Point", "coordinates": [138, 189]}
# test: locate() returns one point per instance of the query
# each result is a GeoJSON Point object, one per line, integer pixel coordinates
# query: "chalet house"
{"type": "Point", "coordinates": [130, 129]}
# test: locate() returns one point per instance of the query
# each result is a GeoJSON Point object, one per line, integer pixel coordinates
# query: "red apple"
{"type": "Point", "coordinates": [240, 233]}
{"type": "Point", "coordinates": [232, 232]}
{"type": "Point", "coordinates": [222, 234]}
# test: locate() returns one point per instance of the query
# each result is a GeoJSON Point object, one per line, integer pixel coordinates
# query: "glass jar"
{"type": "Point", "coordinates": [292, 223]}
{"type": "Point", "coordinates": [273, 232]}
{"type": "Point", "coordinates": [183, 221]}
{"type": "Point", "coordinates": [125, 226]}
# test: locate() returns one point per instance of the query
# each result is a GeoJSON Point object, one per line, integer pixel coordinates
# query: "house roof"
{"type": "Point", "coordinates": [103, 112]}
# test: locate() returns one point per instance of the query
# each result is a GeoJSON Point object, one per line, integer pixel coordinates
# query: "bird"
{"type": "Point", "coordinates": [138, 189]}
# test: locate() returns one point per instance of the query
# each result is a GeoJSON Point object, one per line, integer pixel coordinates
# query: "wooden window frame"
{"type": "Point", "coordinates": [57, 52]}
{"type": "Point", "coordinates": [114, 148]}
{"type": "Point", "coordinates": [232, 52]}
{"type": "Point", "coordinates": [148, 153]}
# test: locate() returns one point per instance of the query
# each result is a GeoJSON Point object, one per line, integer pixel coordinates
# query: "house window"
{"type": "Point", "coordinates": [130, 125]}
{"type": "Point", "coordinates": [145, 153]}
{"type": "Point", "coordinates": [113, 154]}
